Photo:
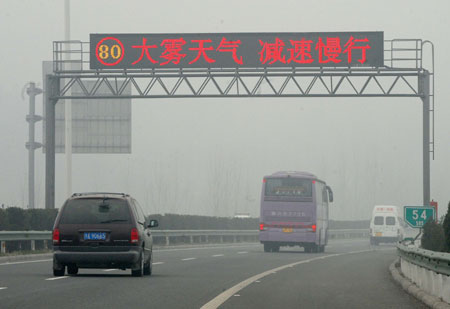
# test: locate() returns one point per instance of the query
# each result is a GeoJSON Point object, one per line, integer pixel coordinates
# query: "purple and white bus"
{"type": "Point", "coordinates": [294, 211]}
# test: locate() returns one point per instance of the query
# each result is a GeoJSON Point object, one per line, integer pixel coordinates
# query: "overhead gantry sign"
{"type": "Point", "coordinates": [225, 65]}
{"type": "Point", "coordinates": [236, 50]}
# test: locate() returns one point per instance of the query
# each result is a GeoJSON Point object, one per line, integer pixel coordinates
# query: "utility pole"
{"type": "Point", "coordinates": [31, 145]}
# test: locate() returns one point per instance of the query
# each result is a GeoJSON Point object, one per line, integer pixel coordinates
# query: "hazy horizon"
{"type": "Point", "coordinates": [369, 150]}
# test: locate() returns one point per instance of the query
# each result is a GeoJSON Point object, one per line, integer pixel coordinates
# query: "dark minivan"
{"type": "Point", "coordinates": [102, 230]}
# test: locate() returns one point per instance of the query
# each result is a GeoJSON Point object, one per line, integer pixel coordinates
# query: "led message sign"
{"type": "Point", "coordinates": [236, 50]}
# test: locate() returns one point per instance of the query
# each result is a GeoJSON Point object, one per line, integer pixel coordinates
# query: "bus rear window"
{"type": "Point", "coordinates": [295, 187]}
{"type": "Point", "coordinates": [378, 220]}
{"type": "Point", "coordinates": [96, 211]}
{"type": "Point", "coordinates": [390, 220]}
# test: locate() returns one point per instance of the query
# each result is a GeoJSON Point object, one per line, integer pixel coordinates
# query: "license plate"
{"type": "Point", "coordinates": [378, 234]}
{"type": "Point", "coordinates": [287, 229]}
{"type": "Point", "coordinates": [94, 236]}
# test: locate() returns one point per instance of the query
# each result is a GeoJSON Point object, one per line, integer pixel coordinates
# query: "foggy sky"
{"type": "Point", "coordinates": [368, 150]}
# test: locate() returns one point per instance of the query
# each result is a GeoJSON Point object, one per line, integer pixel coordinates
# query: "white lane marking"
{"type": "Point", "coordinates": [237, 295]}
{"type": "Point", "coordinates": [157, 263]}
{"type": "Point", "coordinates": [242, 252]}
{"type": "Point", "coordinates": [57, 278]}
{"type": "Point", "coordinates": [113, 269]}
{"type": "Point", "coordinates": [188, 259]}
{"type": "Point", "coordinates": [159, 250]}
{"type": "Point", "coordinates": [224, 296]}
{"type": "Point", "coordinates": [25, 262]}
{"type": "Point", "coordinates": [3, 288]}
{"type": "Point", "coordinates": [216, 255]}
{"type": "Point", "coordinates": [258, 281]}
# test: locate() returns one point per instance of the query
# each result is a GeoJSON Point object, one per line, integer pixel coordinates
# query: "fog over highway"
{"type": "Point", "coordinates": [368, 150]}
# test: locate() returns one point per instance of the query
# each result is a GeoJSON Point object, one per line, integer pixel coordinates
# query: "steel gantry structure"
{"type": "Point", "coordinates": [403, 75]}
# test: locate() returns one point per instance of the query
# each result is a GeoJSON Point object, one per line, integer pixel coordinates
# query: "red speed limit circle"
{"type": "Point", "coordinates": [109, 51]}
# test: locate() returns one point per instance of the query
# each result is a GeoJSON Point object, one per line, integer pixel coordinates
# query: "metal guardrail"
{"type": "Point", "coordinates": [25, 235]}
{"type": "Point", "coordinates": [169, 236]}
{"type": "Point", "coordinates": [348, 233]}
{"type": "Point", "coordinates": [438, 262]}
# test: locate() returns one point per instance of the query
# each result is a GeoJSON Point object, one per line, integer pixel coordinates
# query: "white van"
{"type": "Point", "coordinates": [386, 225]}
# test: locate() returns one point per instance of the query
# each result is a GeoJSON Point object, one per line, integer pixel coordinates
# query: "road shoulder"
{"type": "Point", "coordinates": [414, 290]}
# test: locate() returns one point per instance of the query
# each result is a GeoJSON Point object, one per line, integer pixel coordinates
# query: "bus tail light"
{"type": "Point", "coordinates": [56, 236]}
{"type": "Point", "coordinates": [134, 236]}
{"type": "Point", "coordinates": [262, 227]}
{"type": "Point", "coordinates": [313, 228]}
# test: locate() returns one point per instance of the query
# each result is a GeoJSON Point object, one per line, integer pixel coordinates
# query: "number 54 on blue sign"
{"type": "Point", "coordinates": [417, 216]}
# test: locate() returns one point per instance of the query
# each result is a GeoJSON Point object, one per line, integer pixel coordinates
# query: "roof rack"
{"type": "Point", "coordinates": [104, 193]}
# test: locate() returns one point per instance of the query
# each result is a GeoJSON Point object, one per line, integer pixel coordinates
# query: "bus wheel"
{"type": "Point", "coordinates": [275, 248]}
{"type": "Point", "coordinates": [267, 248]}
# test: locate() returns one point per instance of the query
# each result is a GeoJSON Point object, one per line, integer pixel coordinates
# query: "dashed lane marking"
{"type": "Point", "coordinates": [216, 255]}
{"type": "Point", "coordinates": [158, 263]}
{"type": "Point", "coordinates": [3, 287]}
{"type": "Point", "coordinates": [242, 252]}
{"type": "Point", "coordinates": [189, 259]}
{"type": "Point", "coordinates": [113, 269]}
{"type": "Point", "coordinates": [57, 278]}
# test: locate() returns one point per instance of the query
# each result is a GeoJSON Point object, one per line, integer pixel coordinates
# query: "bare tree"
{"type": "Point", "coordinates": [226, 187]}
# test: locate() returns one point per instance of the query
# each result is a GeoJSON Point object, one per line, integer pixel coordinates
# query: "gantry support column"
{"type": "Point", "coordinates": [51, 90]}
{"type": "Point", "coordinates": [424, 90]}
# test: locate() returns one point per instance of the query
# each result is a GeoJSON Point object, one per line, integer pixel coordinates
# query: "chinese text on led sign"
{"type": "Point", "coordinates": [234, 50]}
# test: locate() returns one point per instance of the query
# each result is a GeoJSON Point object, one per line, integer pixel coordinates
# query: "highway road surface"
{"type": "Point", "coordinates": [350, 274]}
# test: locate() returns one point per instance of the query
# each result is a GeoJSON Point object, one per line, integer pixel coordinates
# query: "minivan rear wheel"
{"type": "Point", "coordinates": [58, 269]}
{"type": "Point", "coordinates": [58, 272]}
{"type": "Point", "coordinates": [72, 269]}
{"type": "Point", "coordinates": [139, 272]}
{"type": "Point", "coordinates": [148, 266]}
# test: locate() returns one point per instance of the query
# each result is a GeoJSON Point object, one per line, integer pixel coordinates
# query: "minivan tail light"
{"type": "Point", "coordinates": [56, 236]}
{"type": "Point", "coordinates": [313, 228]}
{"type": "Point", "coordinates": [134, 235]}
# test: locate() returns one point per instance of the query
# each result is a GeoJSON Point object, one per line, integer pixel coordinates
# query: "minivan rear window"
{"type": "Point", "coordinates": [96, 211]}
{"type": "Point", "coordinates": [379, 220]}
{"type": "Point", "coordinates": [390, 220]}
